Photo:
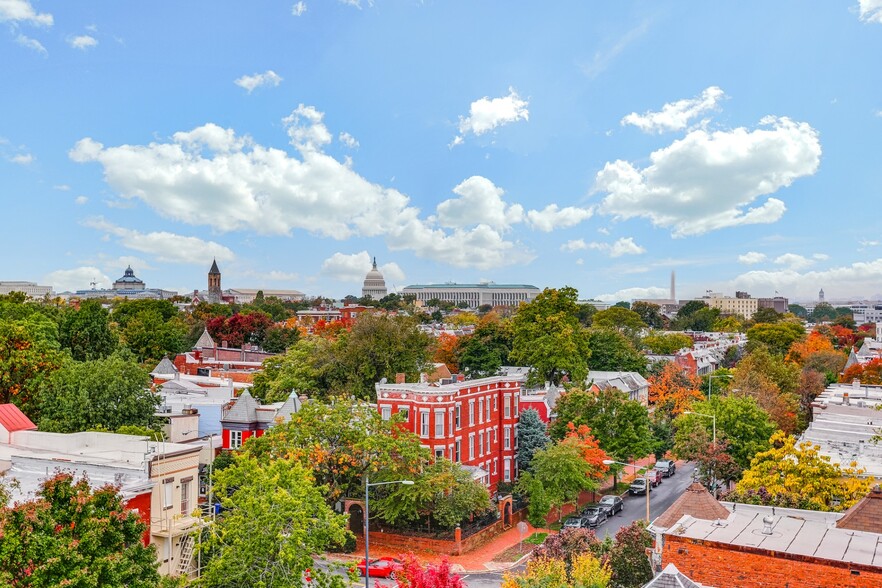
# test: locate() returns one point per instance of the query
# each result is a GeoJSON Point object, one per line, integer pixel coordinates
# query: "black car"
{"type": "Point", "coordinates": [611, 504]}
{"type": "Point", "coordinates": [594, 514]}
{"type": "Point", "coordinates": [666, 466]}
{"type": "Point", "coordinates": [576, 522]}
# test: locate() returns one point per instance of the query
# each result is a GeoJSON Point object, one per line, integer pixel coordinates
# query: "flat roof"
{"type": "Point", "coordinates": [489, 286]}
{"type": "Point", "coordinates": [793, 531]}
{"type": "Point", "coordinates": [428, 388]}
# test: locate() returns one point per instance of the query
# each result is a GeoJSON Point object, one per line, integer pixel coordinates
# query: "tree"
{"type": "Point", "coordinates": [414, 574]}
{"type": "Point", "coordinates": [240, 329]}
{"type": "Point", "coordinates": [538, 501]}
{"type": "Point", "coordinates": [628, 561]}
{"type": "Point", "coordinates": [796, 475]}
{"type": "Point", "coordinates": [695, 315]}
{"type": "Point", "coordinates": [823, 311]}
{"type": "Point", "coordinates": [621, 319]}
{"type": "Point", "coordinates": [673, 389]}
{"type": "Point", "coordinates": [71, 535]}
{"type": "Point", "coordinates": [772, 383]}
{"type": "Point", "coordinates": [150, 337]}
{"type": "Point", "coordinates": [650, 314]}
{"type": "Point", "coordinates": [584, 571]}
{"type": "Point", "coordinates": [778, 337]}
{"type": "Point", "coordinates": [86, 332]}
{"type": "Point", "coordinates": [487, 349]}
{"type": "Point", "coordinates": [549, 338]}
{"type": "Point", "coordinates": [714, 463]}
{"type": "Point", "coordinates": [868, 373]}
{"type": "Point", "coordinates": [613, 351]}
{"type": "Point", "coordinates": [444, 493]}
{"type": "Point", "coordinates": [279, 338]}
{"type": "Point", "coordinates": [811, 384]}
{"type": "Point", "coordinates": [766, 315]}
{"type": "Point", "coordinates": [798, 310]}
{"type": "Point", "coordinates": [814, 343]}
{"type": "Point", "coordinates": [340, 442]}
{"type": "Point", "coordinates": [26, 360]}
{"type": "Point", "coordinates": [667, 343]}
{"type": "Point", "coordinates": [532, 437]}
{"type": "Point", "coordinates": [299, 368]}
{"type": "Point", "coordinates": [108, 393]}
{"type": "Point", "coordinates": [745, 426]}
{"type": "Point", "coordinates": [446, 348]}
{"type": "Point", "coordinates": [571, 543]}
{"type": "Point", "coordinates": [275, 517]}
{"type": "Point", "coordinates": [829, 363]}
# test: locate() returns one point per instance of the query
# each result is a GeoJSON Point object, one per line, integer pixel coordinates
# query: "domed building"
{"type": "Point", "coordinates": [374, 284]}
{"type": "Point", "coordinates": [129, 281]}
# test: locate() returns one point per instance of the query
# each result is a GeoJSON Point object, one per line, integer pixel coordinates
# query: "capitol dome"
{"type": "Point", "coordinates": [374, 284]}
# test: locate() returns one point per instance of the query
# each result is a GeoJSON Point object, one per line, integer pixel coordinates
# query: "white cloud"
{"type": "Point", "coordinates": [299, 8]}
{"type": "Point", "coordinates": [623, 246]}
{"type": "Point", "coordinates": [487, 114]}
{"type": "Point", "coordinates": [580, 261]}
{"type": "Point", "coordinates": [252, 82]}
{"type": "Point", "coordinates": [62, 187]}
{"type": "Point", "coordinates": [855, 281]}
{"type": "Point", "coordinates": [23, 159]}
{"type": "Point", "coordinates": [348, 267]}
{"type": "Point", "coordinates": [80, 200]}
{"type": "Point", "coordinates": [16, 11]}
{"type": "Point", "coordinates": [211, 176]}
{"type": "Point", "coordinates": [793, 261]}
{"type": "Point", "coordinates": [675, 116]}
{"type": "Point", "coordinates": [348, 140]}
{"type": "Point", "coordinates": [274, 276]}
{"type": "Point", "coordinates": [633, 293]}
{"type": "Point", "coordinates": [552, 217]}
{"type": "Point", "coordinates": [706, 181]}
{"type": "Point", "coordinates": [821, 256]}
{"type": "Point", "coordinates": [574, 245]}
{"type": "Point", "coordinates": [82, 42]}
{"type": "Point", "coordinates": [79, 278]}
{"type": "Point", "coordinates": [30, 43]}
{"type": "Point", "coordinates": [166, 247]}
{"type": "Point", "coordinates": [868, 243]}
{"type": "Point", "coordinates": [752, 257]}
{"type": "Point", "coordinates": [356, 3]}
{"type": "Point", "coordinates": [870, 10]}
{"type": "Point", "coordinates": [479, 202]}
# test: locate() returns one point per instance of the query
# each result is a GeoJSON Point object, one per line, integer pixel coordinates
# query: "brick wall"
{"type": "Point", "coordinates": [731, 566]}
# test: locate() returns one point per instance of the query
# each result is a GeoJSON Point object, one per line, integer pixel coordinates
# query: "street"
{"type": "Point", "coordinates": [660, 499]}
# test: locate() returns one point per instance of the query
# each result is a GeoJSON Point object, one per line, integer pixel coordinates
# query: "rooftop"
{"type": "Point", "coordinates": [13, 419]}
{"type": "Point", "coordinates": [485, 286]}
{"type": "Point", "coordinates": [434, 388]}
{"type": "Point", "coordinates": [697, 502]}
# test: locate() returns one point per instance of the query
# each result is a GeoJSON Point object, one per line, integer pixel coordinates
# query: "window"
{"type": "Point", "coordinates": [488, 441]}
{"type": "Point", "coordinates": [471, 412]}
{"type": "Point", "coordinates": [235, 439]}
{"type": "Point", "coordinates": [496, 434]}
{"type": "Point", "coordinates": [506, 437]}
{"type": "Point", "coordinates": [404, 411]}
{"type": "Point", "coordinates": [516, 404]}
{"type": "Point", "coordinates": [471, 446]}
{"type": "Point", "coordinates": [458, 455]}
{"type": "Point", "coordinates": [168, 490]}
{"type": "Point", "coordinates": [506, 476]}
{"type": "Point", "coordinates": [495, 466]}
{"type": "Point", "coordinates": [439, 452]}
{"type": "Point", "coordinates": [481, 444]}
{"type": "Point", "coordinates": [439, 424]}
{"type": "Point", "coordinates": [386, 412]}
{"type": "Point", "coordinates": [480, 410]}
{"type": "Point", "coordinates": [458, 422]}
{"type": "Point", "coordinates": [506, 406]}
{"type": "Point", "coordinates": [424, 423]}
{"type": "Point", "coordinates": [495, 403]}
{"type": "Point", "coordinates": [488, 409]}
{"type": "Point", "coordinates": [515, 436]}
{"type": "Point", "coordinates": [186, 483]}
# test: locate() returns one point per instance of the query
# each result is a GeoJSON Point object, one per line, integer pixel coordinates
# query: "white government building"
{"type": "Point", "coordinates": [30, 289]}
{"type": "Point", "coordinates": [474, 294]}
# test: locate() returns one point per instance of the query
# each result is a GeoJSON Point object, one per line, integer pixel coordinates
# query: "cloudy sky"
{"type": "Point", "coordinates": [739, 144]}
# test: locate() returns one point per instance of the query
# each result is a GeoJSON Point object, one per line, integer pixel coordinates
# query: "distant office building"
{"type": "Point", "coordinates": [127, 286]}
{"type": "Point", "coordinates": [867, 312]}
{"type": "Point", "coordinates": [778, 304]}
{"type": "Point", "coordinates": [374, 284]}
{"type": "Point", "coordinates": [728, 305]}
{"type": "Point", "coordinates": [29, 289]}
{"type": "Point", "coordinates": [217, 295]}
{"type": "Point", "coordinates": [474, 295]}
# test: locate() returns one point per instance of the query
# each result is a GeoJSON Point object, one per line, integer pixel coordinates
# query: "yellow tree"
{"type": "Point", "coordinates": [796, 475]}
{"type": "Point", "coordinates": [586, 572]}
{"type": "Point", "coordinates": [673, 389]}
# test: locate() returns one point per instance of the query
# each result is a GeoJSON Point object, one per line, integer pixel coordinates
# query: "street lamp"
{"type": "Point", "coordinates": [645, 477]}
{"type": "Point", "coordinates": [710, 381]}
{"type": "Point", "coordinates": [367, 524]}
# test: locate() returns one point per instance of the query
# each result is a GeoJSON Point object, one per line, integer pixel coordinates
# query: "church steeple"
{"type": "Point", "coordinates": [215, 294]}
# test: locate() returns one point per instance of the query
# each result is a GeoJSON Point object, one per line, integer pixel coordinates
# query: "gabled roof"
{"type": "Point", "coordinates": [866, 515]}
{"type": "Point", "coordinates": [165, 367]}
{"type": "Point", "coordinates": [243, 411]}
{"type": "Point", "coordinates": [696, 502]}
{"type": "Point", "coordinates": [204, 341]}
{"type": "Point", "coordinates": [13, 419]}
{"type": "Point", "coordinates": [291, 405]}
{"type": "Point", "coordinates": [671, 577]}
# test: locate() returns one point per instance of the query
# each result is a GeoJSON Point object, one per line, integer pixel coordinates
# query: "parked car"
{"type": "Point", "coordinates": [638, 486]}
{"type": "Point", "coordinates": [382, 567]}
{"type": "Point", "coordinates": [612, 504]}
{"type": "Point", "coordinates": [576, 522]}
{"type": "Point", "coordinates": [667, 467]}
{"type": "Point", "coordinates": [594, 514]}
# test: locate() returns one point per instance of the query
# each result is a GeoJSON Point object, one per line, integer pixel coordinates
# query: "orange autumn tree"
{"type": "Point", "coordinates": [673, 389]}
{"type": "Point", "coordinates": [591, 452]}
{"type": "Point", "coordinates": [446, 351]}
{"type": "Point", "coordinates": [869, 373]}
{"type": "Point", "coordinates": [814, 343]}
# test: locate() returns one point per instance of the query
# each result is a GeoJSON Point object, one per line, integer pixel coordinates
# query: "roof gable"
{"type": "Point", "coordinates": [165, 367]}
{"type": "Point", "coordinates": [13, 419]}
{"type": "Point", "coordinates": [696, 502]}
{"type": "Point", "coordinates": [671, 577]}
{"type": "Point", "coordinates": [244, 410]}
{"type": "Point", "coordinates": [204, 341]}
{"type": "Point", "coordinates": [866, 515]}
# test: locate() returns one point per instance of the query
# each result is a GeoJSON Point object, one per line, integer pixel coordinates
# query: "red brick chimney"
{"type": "Point", "coordinates": [400, 378]}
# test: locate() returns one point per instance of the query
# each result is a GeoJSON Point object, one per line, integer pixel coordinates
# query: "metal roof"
{"type": "Point", "coordinates": [13, 419]}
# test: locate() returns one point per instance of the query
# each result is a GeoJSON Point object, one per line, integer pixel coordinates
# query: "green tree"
{"type": "Point", "coordinates": [745, 426]}
{"type": "Point", "coordinates": [125, 310]}
{"type": "Point", "coordinates": [539, 503]}
{"type": "Point", "coordinates": [300, 368]}
{"type": "Point", "coordinates": [613, 351]}
{"type": "Point", "coordinates": [628, 561]}
{"type": "Point", "coordinates": [278, 339]}
{"type": "Point", "coordinates": [650, 314]}
{"type": "Point", "coordinates": [275, 518]}
{"type": "Point", "coordinates": [26, 360]}
{"type": "Point", "coordinates": [563, 472]}
{"type": "Point", "coordinates": [487, 349]}
{"type": "Point", "coordinates": [532, 437]}
{"type": "Point", "coordinates": [549, 338]}
{"type": "Point", "coordinates": [149, 336]}
{"type": "Point", "coordinates": [108, 393]}
{"type": "Point", "coordinates": [86, 332]}
{"type": "Point", "coordinates": [616, 317]}
{"type": "Point", "coordinates": [70, 535]}
{"type": "Point", "coordinates": [778, 337]}
{"type": "Point", "coordinates": [766, 315]}
{"type": "Point", "coordinates": [666, 343]}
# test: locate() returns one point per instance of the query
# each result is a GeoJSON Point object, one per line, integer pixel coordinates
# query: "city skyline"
{"type": "Point", "coordinates": [593, 146]}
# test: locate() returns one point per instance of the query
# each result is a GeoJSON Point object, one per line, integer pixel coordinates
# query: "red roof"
{"type": "Point", "coordinates": [13, 419]}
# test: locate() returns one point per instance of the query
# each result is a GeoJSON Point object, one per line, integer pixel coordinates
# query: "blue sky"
{"type": "Point", "coordinates": [599, 145]}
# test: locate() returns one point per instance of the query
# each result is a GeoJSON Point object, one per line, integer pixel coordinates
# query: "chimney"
{"type": "Point", "coordinates": [400, 378]}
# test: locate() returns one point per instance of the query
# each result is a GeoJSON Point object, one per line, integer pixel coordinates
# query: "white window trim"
{"type": "Point", "coordinates": [235, 439]}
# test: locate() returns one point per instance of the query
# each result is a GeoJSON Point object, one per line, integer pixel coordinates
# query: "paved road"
{"type": "Point", "coordinates": [635, 508]}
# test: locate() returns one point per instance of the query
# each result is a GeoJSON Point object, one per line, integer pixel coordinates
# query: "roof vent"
{"type": "Point", "coordinates": [767, 525]}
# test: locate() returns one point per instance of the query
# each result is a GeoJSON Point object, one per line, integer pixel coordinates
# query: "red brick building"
{"type": "Point", "coordinates": [473, 422]}
{"type": "Point", "coordinates": [245, 417]}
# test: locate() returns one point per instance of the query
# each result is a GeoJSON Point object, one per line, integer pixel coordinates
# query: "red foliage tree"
{"type": "Point", "coordinates": [446, 351]}
{"type": "Point", "coordinates": [414, 575]}
{"type": "Point", "coordinates": [869, 373]}
{"type": "Point", "coordinates": [591, 451]}
{"type": "Point", "coordinates": [240, 328]}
